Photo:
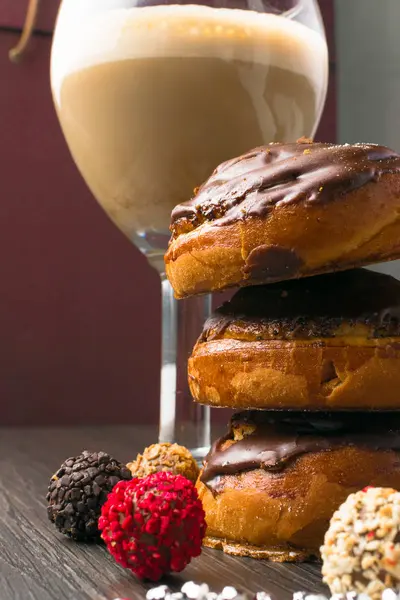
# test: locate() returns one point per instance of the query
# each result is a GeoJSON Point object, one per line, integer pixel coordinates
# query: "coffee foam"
{"type": "Point", "coordinates": [88, 34]}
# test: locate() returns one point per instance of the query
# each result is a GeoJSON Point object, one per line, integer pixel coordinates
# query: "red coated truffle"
{"type": "Point", "coordinates": [153, 526]}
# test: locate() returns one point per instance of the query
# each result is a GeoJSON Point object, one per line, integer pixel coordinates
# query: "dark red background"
{"type": "Point", "coordinates": [79, 306]}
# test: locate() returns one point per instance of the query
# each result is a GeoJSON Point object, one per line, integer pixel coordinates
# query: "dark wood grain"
{"type": "Point", "coordinates": [36, 563]}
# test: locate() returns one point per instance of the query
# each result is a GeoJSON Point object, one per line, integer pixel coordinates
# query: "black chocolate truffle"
{"type": "Point", "coordinates": [78, 490]}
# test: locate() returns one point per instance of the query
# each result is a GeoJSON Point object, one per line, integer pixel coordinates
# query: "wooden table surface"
{"type": "Point", "coordinates": [37, 563]}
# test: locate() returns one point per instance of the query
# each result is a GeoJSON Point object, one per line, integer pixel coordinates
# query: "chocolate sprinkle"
{"type": "Point", "coordinates": [78, 490]}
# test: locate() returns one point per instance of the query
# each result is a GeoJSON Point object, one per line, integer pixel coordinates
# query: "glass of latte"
{"type": "Point", "coordinates": [152, 96]}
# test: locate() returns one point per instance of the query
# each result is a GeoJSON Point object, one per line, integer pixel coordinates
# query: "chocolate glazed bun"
{"type": "Point", "coordinates": [270, 487]}
{"type": "Point", "coordinates": [285, 211]}
{"type": "Point", "coordinates": [325, 342]}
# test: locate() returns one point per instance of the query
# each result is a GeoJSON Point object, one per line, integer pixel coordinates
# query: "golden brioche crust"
{"type": "Point", "coordinates": [333, 373]}
{"type": "Point", "coordinates": [289, 511]}
{"type": "Point", "coordinates": [361, 228]}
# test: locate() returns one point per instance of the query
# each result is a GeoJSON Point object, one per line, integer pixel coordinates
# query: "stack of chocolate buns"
{"type": "Point", "coordinates": [307, 351]}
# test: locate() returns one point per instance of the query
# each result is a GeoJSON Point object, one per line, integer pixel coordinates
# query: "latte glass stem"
{"type": "Point", "coordinates": [181, 420]}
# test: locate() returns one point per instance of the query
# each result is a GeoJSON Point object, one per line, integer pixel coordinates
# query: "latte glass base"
{"type": "Point", "coordinates": [181, 420]}
{"type": "Point", "coordinates": [199, 454]}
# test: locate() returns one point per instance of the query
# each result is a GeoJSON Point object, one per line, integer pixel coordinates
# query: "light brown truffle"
{"type": "Point", "coordinates": [165, 457]}
{"type": "Point", "coordinates": [361, 551]}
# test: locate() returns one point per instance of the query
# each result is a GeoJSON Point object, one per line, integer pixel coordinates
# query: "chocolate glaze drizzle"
{"type": "Point", "coordinates": [312, 307]}
{"type": "Point", "coordinates": [278, 174]}
{"type": "Point", "coordinates": [279, 438]}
